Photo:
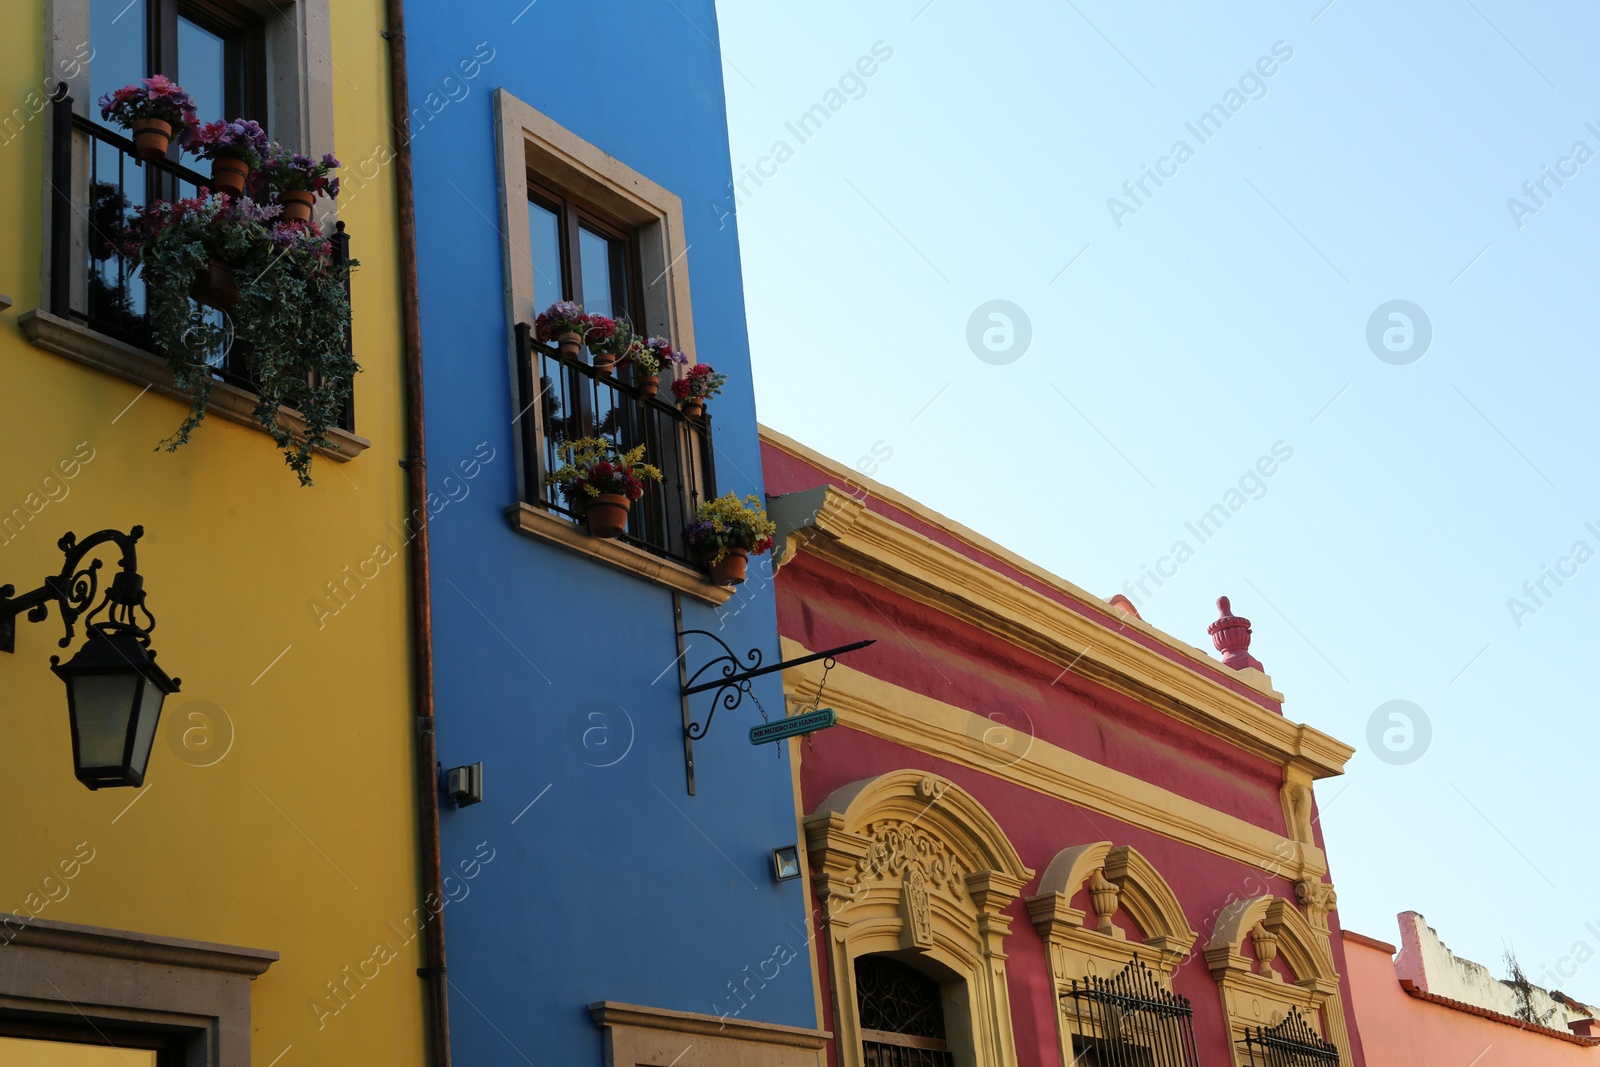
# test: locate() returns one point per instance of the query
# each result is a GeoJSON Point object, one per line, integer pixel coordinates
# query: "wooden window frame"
{"type": "Point", "coordinates": [244, 37]}
{"type": "Point", "coordinates": [574, 213]}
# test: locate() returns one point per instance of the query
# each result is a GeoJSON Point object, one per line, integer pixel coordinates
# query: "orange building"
{"type": "Point", "coordinates": [1421, 1006]}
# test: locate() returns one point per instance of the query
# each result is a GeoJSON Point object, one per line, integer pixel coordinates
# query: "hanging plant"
{"type": "Point", "coordinates": [599, 481]}
{"type": "Point", "coordinates": [725, 532]}
{"type": "Point", "coordinates": [564, 324]}
{"type": "Point", "coordinates": [648, 357]}
{"type": "Point", "coordinates": [156, 110]}
{"type": "Point", "coordinates": [234, 148]}
{"type": "Point", "coordinates": [296, 180]}
{"type": "Point", "coordinates": [695, 388]}
{"type": "Point", "coordinates": [292, 312]}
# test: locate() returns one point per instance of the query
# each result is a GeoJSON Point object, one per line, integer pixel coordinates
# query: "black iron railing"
{"type": "Point", "coordinates": [94, 284]}
{"type": "Point", "coordinates": [561, 400]}
{"type": "Point", "coordinates": [1130, 1020]}
{"type": "Point", "coordinates": [1290, 1043]}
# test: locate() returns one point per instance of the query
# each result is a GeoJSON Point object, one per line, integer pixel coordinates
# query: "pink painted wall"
{"type": "Point", "coordinates": [1402, 1031]}
{"type": "Point", "coordinates": [928, 652]}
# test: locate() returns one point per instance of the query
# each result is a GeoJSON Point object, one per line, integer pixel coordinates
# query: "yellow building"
{"type": "Point", "coordinates": [255, 901]}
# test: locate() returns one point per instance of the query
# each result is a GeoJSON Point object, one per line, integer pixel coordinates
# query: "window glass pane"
{"type": "Point", "coordinates": [600, 287]}
{"type": "Point", "coordinates": [544, 231]}
{"type": "Point", "coordinates": [18, 1052]}
{"type": "Point", "coordinates": [117, 34]}
{"type": "Point", "coordinates": [203, 70]}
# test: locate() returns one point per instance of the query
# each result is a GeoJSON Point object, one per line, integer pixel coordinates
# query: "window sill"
{"type": "Point", "coordinates": [77, 342]}
{"type": "Point", "coordinates": [539, 524]}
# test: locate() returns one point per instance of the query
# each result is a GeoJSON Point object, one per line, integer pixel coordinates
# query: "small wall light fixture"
{"type": "Point", "coordinates": [114, 688]}
{"type": "Point", "coordinates": [464, 785]}
{"type": "Point", "coordinates": [785, 863]}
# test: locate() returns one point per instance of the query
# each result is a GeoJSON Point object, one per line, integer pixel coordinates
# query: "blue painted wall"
{"type": "Point", "coordinates": [615, 884]}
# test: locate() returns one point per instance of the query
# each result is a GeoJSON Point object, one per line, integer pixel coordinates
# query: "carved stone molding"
{"type": "Point", "coordinates": [907, 861]}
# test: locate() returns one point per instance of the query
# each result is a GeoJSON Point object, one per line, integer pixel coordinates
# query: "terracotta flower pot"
{"type": "Point", "coordinates": [569, 343]}
{"type": "Point", "coordinates": [217, 286]}
{"type": "Point", "coordinates": [151, 137]}
{"type": "Point", "coordinates": [649, 385]}
{"type": "Point", "coordinates": [730, 570]}
{"type": "Point", "coordinates": [607, 515]}
{"type": "Point", "coordinates": [296, 204]}
{"type": "Point", "coordinates": [605, 362]}
{"type": "Point", "coordinates": [693, 409]}
{"type": "Point", "coordinates": [228, 175]}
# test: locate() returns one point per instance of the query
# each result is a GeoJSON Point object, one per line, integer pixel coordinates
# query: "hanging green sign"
{"type": "Point", "coordinates": [793, 726]}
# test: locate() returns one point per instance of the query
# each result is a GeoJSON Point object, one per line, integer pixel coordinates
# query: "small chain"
{"type": "Point", "coordinates": [759, 708]}
{"type": "Point", "coordinates": [827, 665]}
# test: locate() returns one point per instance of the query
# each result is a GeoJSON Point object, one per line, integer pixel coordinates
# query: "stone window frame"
{"type": "Point", "coordinates": [912, 865]}
{"type": "Point", "coordinates": [1117, 879]}
{"type": "Point", "coordinates": [1254, 991]}
{"type": "Point", "coordinates": [299, 40]}
{"type": "Point", "coordinates": [530, 142]}
{"type": "Point", "coordinates": [70, 973]}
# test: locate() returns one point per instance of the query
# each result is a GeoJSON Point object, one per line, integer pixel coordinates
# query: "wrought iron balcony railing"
{"type": "Point", "coordinates": [97, 183]}
{"type": "Point", "coordinates": [564, 399]}
{"type": "Point", "coordinates": [1290, 1043]}
{"type": "Point", "coordinates": [1130, 1020]}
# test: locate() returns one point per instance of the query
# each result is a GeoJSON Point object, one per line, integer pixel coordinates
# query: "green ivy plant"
{"type": "Point", "coordinates": [291, 315]}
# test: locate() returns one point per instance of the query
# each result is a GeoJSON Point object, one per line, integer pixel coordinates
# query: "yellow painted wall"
{"type": "Point", "coordinates": [302, 839]}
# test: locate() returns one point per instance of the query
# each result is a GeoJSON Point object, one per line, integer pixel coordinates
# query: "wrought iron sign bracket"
{"type": "Point", "coordinates": [74, 590]}
{"type": "Point", "coordinates": [730, 680]}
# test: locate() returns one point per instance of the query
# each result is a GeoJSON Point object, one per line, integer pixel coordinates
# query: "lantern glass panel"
{"type": "Point", "coordinates": [103, 704]}
{"type": "Point", "coordinates": [149, 714]}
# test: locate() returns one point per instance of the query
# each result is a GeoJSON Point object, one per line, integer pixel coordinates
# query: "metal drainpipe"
{"type": "Point", "coordinates": [416, 465]}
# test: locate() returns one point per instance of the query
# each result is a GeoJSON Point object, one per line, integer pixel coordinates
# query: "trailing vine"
{"type": "Point", "coordinates": [287, 326]}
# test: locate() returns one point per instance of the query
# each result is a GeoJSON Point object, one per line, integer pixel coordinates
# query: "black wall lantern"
{"type": "Point", "coordinates": [114, 688]}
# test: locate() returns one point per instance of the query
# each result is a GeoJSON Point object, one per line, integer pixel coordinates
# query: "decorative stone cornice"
{"type": "Point", "coordinates": [108, 944]}
{"type": "Point", "coordinates": [832, 526]}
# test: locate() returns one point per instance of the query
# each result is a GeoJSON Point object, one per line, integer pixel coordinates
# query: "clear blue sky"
{"type": "Point", "coordinates": [1228, 312]}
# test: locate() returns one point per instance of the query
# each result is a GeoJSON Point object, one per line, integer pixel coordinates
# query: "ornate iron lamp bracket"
{"type": "Point", "coordinates": [730, 676]}
{"type": "Point", "coordinates": [74, 591]}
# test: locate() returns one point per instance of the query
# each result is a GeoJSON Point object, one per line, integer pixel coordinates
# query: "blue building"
{"type": "Point", "coordinates": [570, 151]}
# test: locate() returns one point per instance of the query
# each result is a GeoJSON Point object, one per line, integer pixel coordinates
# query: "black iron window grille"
{"type": "Point", "coordinates": [97, 183]}
{"type": "Point", "coordinates": [561, 400]}
{"type": "Point", "coordinates": [1129, 1020]}
{"type": "Point", "coordinates": [901, 1015]}
{"type": "Point", "coordinates": [1290, 1043]}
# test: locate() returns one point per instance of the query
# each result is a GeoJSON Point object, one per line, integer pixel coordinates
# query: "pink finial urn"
{"type": "Point", "coordinates": [1231, 634]}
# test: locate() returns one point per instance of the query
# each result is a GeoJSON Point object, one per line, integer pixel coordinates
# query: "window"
{"type": "Point", "coordinates": [606, 236]}
{"type": "Point", "coordinates": [1129, 1020]}
{"type": "Point", "coordinates": [217, 52]}
{"type": "Point", "coordinates": [83, 996]}
{"type": "Point", "coordinates": [578, 256]}
{"type": "Point", "coordinates": [257, 59]}
{"type": "Point", "coordinates": [902, 1019]}
{"type": "Point", "coordinates": [914, 876]}
{"type": "Point", "coordinates": [40, 1044]}
{"type": "Point", "coordinates": [1116, 1008]}
{"type": "Point", "coordinates": [1275, 970]}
